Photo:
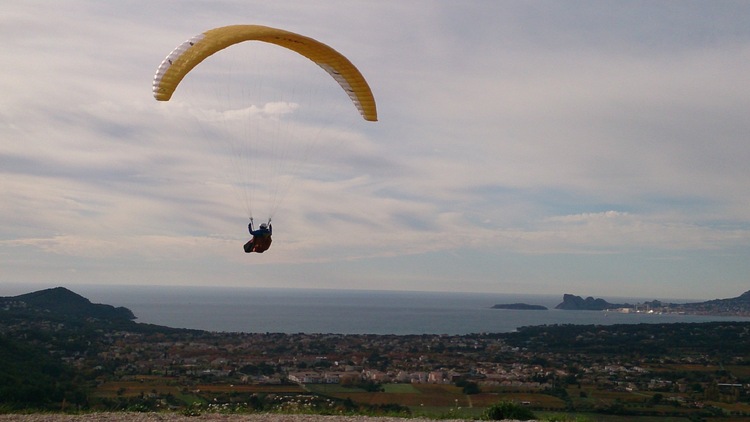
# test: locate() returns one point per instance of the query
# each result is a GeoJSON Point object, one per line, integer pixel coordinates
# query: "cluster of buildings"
{"type": "Point", "coordinates": [323, 359]}
{"type": "Point", "coordinates": [488, 360]}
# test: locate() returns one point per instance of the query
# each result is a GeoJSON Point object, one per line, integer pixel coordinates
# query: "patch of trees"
{"type": "Point", "coordinates": [508, 410]}
{"type": "Point", "coordinates": [31, 378]}
{"type": "Point", "coordinates": [726, 339]}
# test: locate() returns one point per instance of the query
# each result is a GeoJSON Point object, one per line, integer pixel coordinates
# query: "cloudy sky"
{"type": "Point", "coordinates": [588, 147]}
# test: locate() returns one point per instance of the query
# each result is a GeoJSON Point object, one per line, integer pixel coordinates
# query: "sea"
{"type": "Point", "coordinates": [270, 310]}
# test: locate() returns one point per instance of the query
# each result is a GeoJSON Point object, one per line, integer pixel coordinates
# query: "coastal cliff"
{"type": "Point", "coordinates": [577, 303]}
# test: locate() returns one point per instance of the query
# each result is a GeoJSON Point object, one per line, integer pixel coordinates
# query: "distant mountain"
{"type": "Point", "coordinates": [520, 306]}
{"type": "Point", "coordinates": [741, 299]}
{"type": "Point", "coordinates": [577, 303]}
{"type": "Point", "coordinates": [61, 301]}
{"type": "Point", "coordinates": [739, 305]}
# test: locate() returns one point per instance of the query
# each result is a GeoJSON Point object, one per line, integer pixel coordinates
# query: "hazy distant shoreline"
{"type": "Point", "coordinates": [261, 310]}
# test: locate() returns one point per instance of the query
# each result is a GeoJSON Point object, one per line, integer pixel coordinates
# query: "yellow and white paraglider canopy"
{"type": "Point", "coordinates": [193, 51]}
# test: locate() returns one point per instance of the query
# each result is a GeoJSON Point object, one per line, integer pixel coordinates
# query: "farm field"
{"type": "Point", "coordinates": [436, 399]}
{"type": "Point", "coordinates": [186, 394]}
{"type": "Point", "coordinates": [428, 400]}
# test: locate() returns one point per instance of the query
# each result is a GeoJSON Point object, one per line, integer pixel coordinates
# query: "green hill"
{"type": "Point", "coordinates": [61, 302]}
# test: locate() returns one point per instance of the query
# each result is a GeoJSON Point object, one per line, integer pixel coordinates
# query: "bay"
{"type": "Point", "coordinates": [259, 310]}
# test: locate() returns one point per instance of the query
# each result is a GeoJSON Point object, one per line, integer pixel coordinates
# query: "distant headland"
{"type": "Point", "coordinates": [736, 306]}
{"type": "Point", "coordinates": [62, 302]}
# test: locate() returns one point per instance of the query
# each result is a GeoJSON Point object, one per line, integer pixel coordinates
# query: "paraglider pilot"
{"type": "Point", "coordinates": [261, 240]}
